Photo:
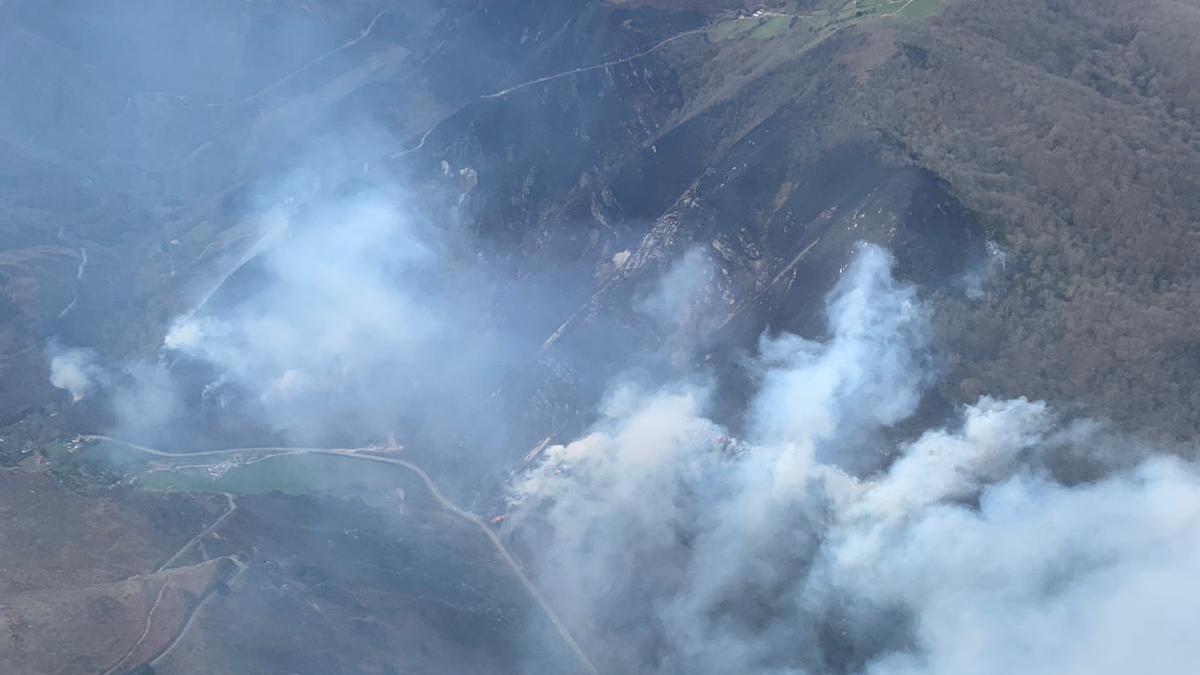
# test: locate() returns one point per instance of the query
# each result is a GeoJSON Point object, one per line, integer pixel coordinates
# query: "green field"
{"type": "Point", "coordinates": [250, 473]}
{"type": "Point", "coordinates": [826, 23]}
{"type": "Point", "coordinates": [755, 28]}
{"type": "Point", "coordinates": [916, 9]}
{"type": "Point", "coordinates": [771, 27]}
{"type": "Point", "coordinates": [111, 461]}
{"type": "Point", "coordinates": [56, 451]}
{"type": "Point", "coordinates": [920, 9]}
{"type": "Point", "coordinates": [295, 474]}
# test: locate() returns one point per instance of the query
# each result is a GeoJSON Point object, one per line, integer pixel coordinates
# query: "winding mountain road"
{"type": "Point", "coordinates": [19, 352]}
{"type": "Point", "coordinates": [420, 144]}
{"type": "Point", "coordinates": [454, 509]}
{"type": "Point", "coordinates": [584, 69]}
{"type": "Point", "coordinates": [214, 453]}
{"type": "Point", "coordinates": [196, 612]}
{"type": "Point", "coordinates": [363, 34]}
{"type": "Point", "coordinates": [162, 590]}
{"type": "Point", "coordinates": [358, 454]}
{"type": "Point", "coordinates": [232, 508]}
{"type": "Point", "coordinates": [83, 261]}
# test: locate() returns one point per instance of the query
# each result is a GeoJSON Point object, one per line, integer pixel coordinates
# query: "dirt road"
{"type": "Point", "coordinates": [358, 454]}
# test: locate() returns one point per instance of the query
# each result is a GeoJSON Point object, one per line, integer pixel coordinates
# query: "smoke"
{"type": "Point", "coordinates": [73, 370]}
{"type": "Point", "coordinates": [681, 306]}
{"type": "Point", "coordinates": [1038, 578]}
{"type": "Point", "coordinates": [975, 281]}
{"type": "Point", "coordinates": [673, 547]}
{"type": "Point", "coordinates": [337, 302]}
{"type": "Point", "coordinates": [353, 318]}
{"type": "Point", "coordinates": [814, 397]}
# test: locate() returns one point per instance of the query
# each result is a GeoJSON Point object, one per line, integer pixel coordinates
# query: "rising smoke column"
{"type": "Point", "coordinates": [330, 308]}
{"type": "Point", "coordinates": [73, 370]}
{"type": "Point", "coordinates": [678, 550]}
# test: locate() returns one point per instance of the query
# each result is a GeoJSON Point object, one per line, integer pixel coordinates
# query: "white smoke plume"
{"type": "Point", "coordinates": [353, 316]}
{"type": "Point", "coordinates": [335, 307]}
{"type": "Point", "coordinates": [73, 370]}
{"type": "Point", "coordinates": [682, 306]}
{"type": "Point", "coordinates": [674, 548]}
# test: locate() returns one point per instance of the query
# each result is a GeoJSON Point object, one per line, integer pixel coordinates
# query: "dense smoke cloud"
{"type": "Point", "coordinates": [350, 318]}
{"type": "Point", "coordinates": [675, 548]}
{"type": "Point", "coordinates": [73, 370]}
{"type": "Point", "coordinates": [337, 303]}
{"type": "Point", "coordinates": [681, 306]}
{"type": "Point", "coordinates": [1039, 578]}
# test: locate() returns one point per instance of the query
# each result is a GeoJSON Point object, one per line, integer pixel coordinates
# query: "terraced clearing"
{"type": "Point", "coordinates": [767, 25]}
{"type": "Point", "coordinates": [770, 27]}
{"type": "Point", "coordinates": [920, 9]}
{"type": "Point", "coordinates": [900, 8]}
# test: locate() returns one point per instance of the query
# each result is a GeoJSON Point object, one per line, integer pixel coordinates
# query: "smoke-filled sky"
{"type": "Point", "coordinates": [675, 548]}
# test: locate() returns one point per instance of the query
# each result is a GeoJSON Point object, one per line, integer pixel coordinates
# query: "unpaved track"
{"type": "Point", "coordinates": [363, 34]}
{"type": "Point", "coordinates": [145, 630]}
{"type": "Point", "coordinates": [584, 69]}
{"type": "Point", "coordinates": [232, 508]}
{"type": "Point", "coordinates": [213, 453]}
{"type": "Point", "coordinates": [420, 144]}
{"type": "Point", "coordinates": [633, 57]}
{"type": "Point", "coordinates": [453, 508]}
{"type": "Point", "coordinates": [121, 666]}
{"type": "Point", "coordinates": [83, 261]}
{"type": "Point", "coordinates": [19, 352]}
{"type": "Point", "coordinates": [196, 612]}
{"type": "Point", "coordinates": [167, 582]}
